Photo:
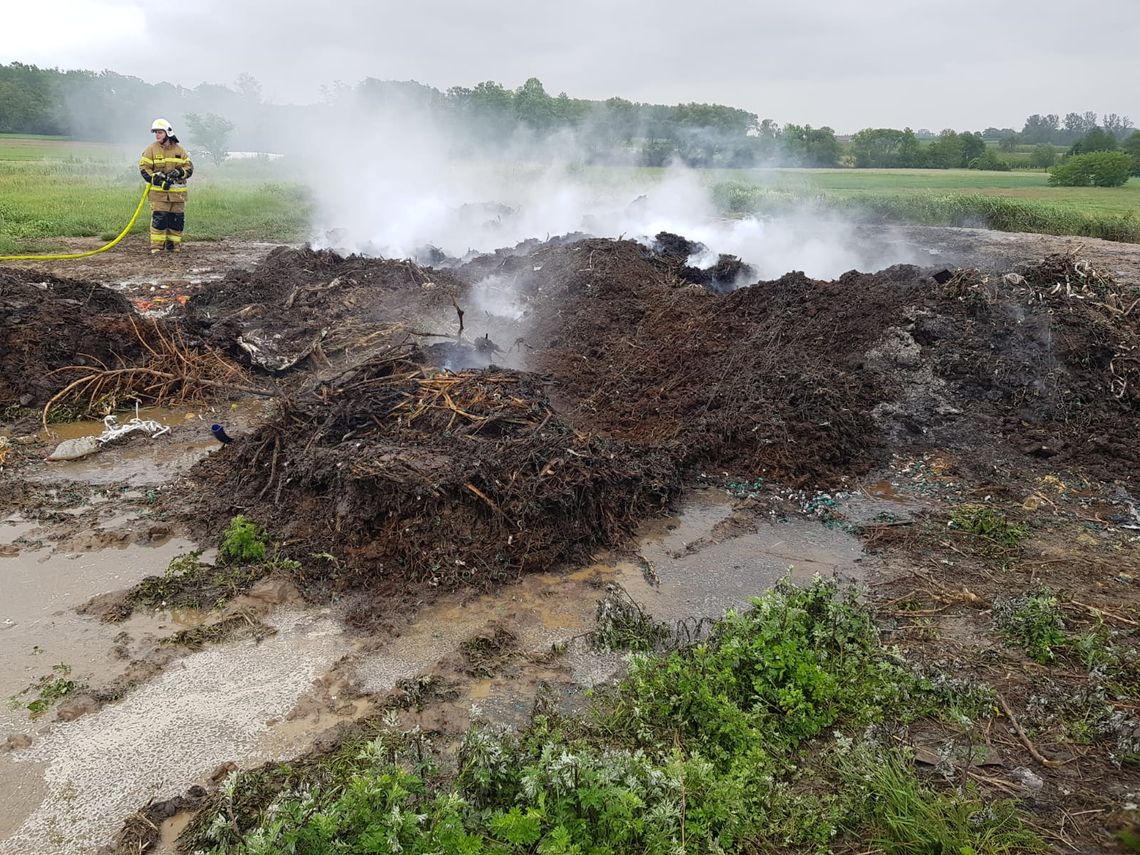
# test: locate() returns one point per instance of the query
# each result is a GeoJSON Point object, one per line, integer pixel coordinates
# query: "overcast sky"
{"type": "Point", "coordinates": [966, 64]}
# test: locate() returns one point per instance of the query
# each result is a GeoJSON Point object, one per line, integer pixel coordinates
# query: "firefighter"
{"type": "Point", "coordinates": [165, 166]}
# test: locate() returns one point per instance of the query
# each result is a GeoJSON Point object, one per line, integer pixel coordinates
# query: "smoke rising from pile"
{"type": "Point", "coordinates": [395, 182]}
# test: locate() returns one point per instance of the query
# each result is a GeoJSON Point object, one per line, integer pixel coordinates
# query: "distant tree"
{"type": "Point", "coordinates": [973, 147]}
{"type": "Point", "coordinates": [657, 152]}
{"type": "Point", "coordinates": [767, 138]}
{"type": "Point", "coordinates": [210, 133]}
{"type": "Point", "coordinates": [996, 134]}
{"type": "Point", "coordinates": [1098, 169]}
{"type": "Point", "coordinates": [1039, 129]}
{"type": "Point", "coordinates": [910, 152]}
{"type": "Point", "coordinates": [1078, 124]}
{"type": "Point", "coordinates": [1116, 124]}
{"type": "Point", "coordinates": [533, 107]}
{"type": "Point", "coordinates": [946, 152]}
{"type": "Point", "coordinates": [808, 146]}
{"type": "Point", "coordinates": [1132, 146]}
{"type": "Point", "coordinates": [1043, 156]}
{"type": "Point", "coordinates": [620, 118]}
{"type": "Point", "coordinates": [248, 88]}
{"type": "Point", "coordinates": [1095, 140]}
{"type": "Point", "coordinates": [1008, 143]}
{"type": "Point", "coordinates": [882, 147]}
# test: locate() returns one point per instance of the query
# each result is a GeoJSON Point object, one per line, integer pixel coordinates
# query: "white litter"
{"type": "Point", "coordinates": [74, 449]}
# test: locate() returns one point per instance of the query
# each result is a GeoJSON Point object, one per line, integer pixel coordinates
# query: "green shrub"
{"type": "Point", "coordinates": [1097, 169]}
{"type": "Point", "coordinates": [988, 160]}
{"type": "Point", "coordinates": [1043, 156]}
{"type": "Point", "coordinates": [244, 542]}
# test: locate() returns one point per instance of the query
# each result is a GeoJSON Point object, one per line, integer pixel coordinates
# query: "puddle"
{"type": "Point", "coordinates": [39, 627]}
{"type": "Point", "coordinates": [540, 610]}
{"type": "Point", "coordinates": [12, 530]}
{"type": "Point", "coordinates": [139, 460]}
{"type": "Point", "coordinates": [168, 416]}
{"type": "Point", "coordinates": [703, 567]}
{"type": "Point", "coordinates": [69, 792]}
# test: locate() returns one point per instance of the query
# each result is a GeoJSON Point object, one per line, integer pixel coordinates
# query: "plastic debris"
{"type": "Point", "coordinates": [74, 449]}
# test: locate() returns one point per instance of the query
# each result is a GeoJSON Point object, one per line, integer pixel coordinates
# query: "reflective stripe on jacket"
{"type": "Point", "coordinates": [160, 159]}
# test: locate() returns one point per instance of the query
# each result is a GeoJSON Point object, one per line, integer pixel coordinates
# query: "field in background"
{"type": "Point", "coordinates": [52, 187]}
{"type": "Point", "coordinates": [1022, 185]}
{"type": "Point", "coordinates": [1007, 201]}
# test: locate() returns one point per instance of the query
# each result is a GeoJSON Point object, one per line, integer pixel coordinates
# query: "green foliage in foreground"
{"type": "Point", "coordinates": [729, 746]}
{"type": "Point", "coordinates": [1096, 169]}
{"type": "Point", "coordinates": [1032, 622]}
{"type": "Point", "coordinates": [244, 541]}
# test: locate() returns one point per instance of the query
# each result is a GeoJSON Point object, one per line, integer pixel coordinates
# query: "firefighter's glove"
{"type": "Point", "coordinates": [157, 179]}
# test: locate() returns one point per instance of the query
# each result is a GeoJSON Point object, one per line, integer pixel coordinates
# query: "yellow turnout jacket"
{"type": "Point", "coordinates": [162, 159]}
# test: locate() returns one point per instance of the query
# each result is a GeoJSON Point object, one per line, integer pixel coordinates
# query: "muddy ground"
{"type": "Point", "coordinates": [638, 429]}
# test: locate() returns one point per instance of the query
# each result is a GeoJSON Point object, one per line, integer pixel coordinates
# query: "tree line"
{"type": "Point", "coordinates": [110, 106]}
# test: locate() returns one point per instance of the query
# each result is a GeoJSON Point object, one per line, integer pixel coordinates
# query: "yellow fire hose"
{"type": "Point", "coordinates": [121, 235]}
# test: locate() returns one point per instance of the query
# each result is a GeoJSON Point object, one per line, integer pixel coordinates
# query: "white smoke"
{"type": "Point", "coordinates": [392, 182]}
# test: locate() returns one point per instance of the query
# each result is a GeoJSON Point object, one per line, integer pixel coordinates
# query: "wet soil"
{"type": "Point", "coordinates": [631, 390]}
{"type": "Point", "coordinates": [131, 270]}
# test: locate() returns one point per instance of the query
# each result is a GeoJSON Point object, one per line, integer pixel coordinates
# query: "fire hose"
{"type": "Point", "coordinates": [104, 248]}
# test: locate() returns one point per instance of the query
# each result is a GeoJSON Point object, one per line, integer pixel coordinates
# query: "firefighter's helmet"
{"type": "Point", "coordinates": [162, 125]}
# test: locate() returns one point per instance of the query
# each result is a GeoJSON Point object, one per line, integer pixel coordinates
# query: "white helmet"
{"type": "Point", "coordinates": [162, 125]}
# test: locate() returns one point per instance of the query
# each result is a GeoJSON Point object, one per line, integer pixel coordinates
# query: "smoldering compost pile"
{"type": "Point", "coordinates": [809, 381]}
{"type": "Point", "coordinates": [409, 473]}
{"type": "Point", "coordinates": [48, 324]}
{"type": "Point", "coordinates": [83, 345]}
{"type": "Point", "coordinates": [404, 470]}
{"type": "Point", "coordinates": [303, 303]}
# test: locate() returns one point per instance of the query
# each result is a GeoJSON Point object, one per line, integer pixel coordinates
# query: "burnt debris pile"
{"type": "Point", "coordinates": [407, 470]}
{"type": "Point", "coordinates": [413, 474]}
{"type": "Point", "coordinates": [404, 448]}
{"type": "Point", "coordinates": [81, 348]}
{"type": "Point", "coordinates": [310, 305]}
{"type": "Point", "coordinates": [48, 324]}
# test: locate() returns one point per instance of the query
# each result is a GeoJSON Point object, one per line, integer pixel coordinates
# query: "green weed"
{"type": "Point", "coordinates": [190, 583]}
{"type": "Point", "coordinates": [621, 624]}
{"type": "Point", "coordinates": [990, 524]}
{"type": "Point", "coordinates": [244, 542]}
{"type": "Point", "coordinates": [1033, 622]}
{"type": "Point", "coordinates": [903, 816]}
{"type": "Point", "coordinates": [47, 691]}
{"type": "Point", "coordinates": [726, 746]}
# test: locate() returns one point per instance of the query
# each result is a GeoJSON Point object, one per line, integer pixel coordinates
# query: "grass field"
{"type": "Point", "coordinates": [1008, 201]}
{"type": "Point", "coordinates": [1025, 186]}
{"type": "Point", "coordinates": [51, 188]}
